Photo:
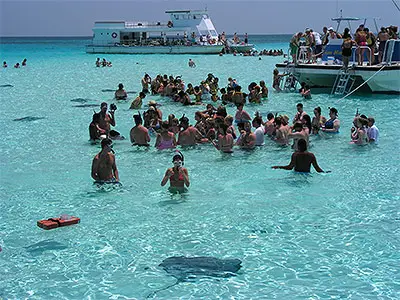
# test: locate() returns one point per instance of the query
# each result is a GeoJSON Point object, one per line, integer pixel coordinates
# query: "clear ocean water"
{"type": "Point", "coordinates": [317, 236]}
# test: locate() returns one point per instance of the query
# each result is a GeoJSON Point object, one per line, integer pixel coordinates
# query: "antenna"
{"type": "Point", "coordinates": [395, 4]}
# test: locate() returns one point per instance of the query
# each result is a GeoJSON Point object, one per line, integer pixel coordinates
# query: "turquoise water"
{"type": "Point", "coordinates": [321, 236]}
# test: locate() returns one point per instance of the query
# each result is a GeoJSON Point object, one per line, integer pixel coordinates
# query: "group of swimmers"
{"type": "Point", "coordinates": [103, 63]}
{"type": "Point", "coordinates": [17, 65]}
{"type": "Point", "coordinates": [214, 126]}
{"type": "Point", "coordinates": [208, 89]}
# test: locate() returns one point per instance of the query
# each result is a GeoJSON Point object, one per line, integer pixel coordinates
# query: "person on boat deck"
{"type": "Point", "coordinates": [359, 134]}
{"type": "Point", "coordinates": [347, 46]}
{"type": "Point", "coordinates": [106, 120]}
{"type": "Point", "coordinates": [383, 37]}
{"type": "Point", "coordinates": [120, 94]}
{"type": "Point", "coordinates": [333, 124]}
{"type": "Point", "coordinates": [325, 37]}
{"type": "Point", "coordinates": [333, 35]}
{"type": "Point", "coordinates": [372, 131]}
{"type": "Point", "coordinates": [371, 43]}
{"type": "Point", "coordinates": [104, 168]}
{"type": "Point", "coordinates": [294, 46]}
{"type": "Point", "coordinates": [310, 43]}
{"type": "Point", "coordinates": [302, 160]}
{"type": "Point", "coordinates": [178, 176]}
{"type": "Point", "coordinates": [318, 44]}
{"type": "Point", "coordinates": [317, 121]}
{"type": "Point", "coordinates": [139, 134]}
{"type": "Point", "coordinates": [361, 40]}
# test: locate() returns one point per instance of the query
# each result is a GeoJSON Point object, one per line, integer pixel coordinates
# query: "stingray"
{"type": "Point", "coordinates": [80, 100]}
{"type": "Point", "coordinates": [185, 268]}
{"type": "Point", "coordinates": [86, 105]}
{"type": "Point", "coordinates": [28, 119]}
{"type": "Point", "coordinates": [6, 85]}
{"type": "Point", "coordinates": [39, 248]}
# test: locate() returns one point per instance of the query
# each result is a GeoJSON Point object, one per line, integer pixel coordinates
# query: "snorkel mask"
{"type": "Point", "coordinates": [178, 159]}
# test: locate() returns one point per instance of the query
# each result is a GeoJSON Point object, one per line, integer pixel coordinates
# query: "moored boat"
{"type": "Point", "coordinates": [187, 32]}
{"type": "Point", "coordinates": [327, 74]}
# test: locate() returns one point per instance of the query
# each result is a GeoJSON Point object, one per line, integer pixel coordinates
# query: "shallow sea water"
{"type": "Point", "coordinates": [317, 236]}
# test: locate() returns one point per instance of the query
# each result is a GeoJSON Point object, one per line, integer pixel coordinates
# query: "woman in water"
{"type": "Point", "coordinates": [359, 134]}
{"type": "Point", "coordinates": [178, 176]}
{"type": "Point", "coordinates": [333, 124]}
{"type": "Point", "coordinates": [165, 139]}
{"type": "Point", "coordinates": [317, 120]}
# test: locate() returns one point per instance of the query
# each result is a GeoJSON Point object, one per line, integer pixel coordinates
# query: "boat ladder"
{"type": "Point", "coordinates": [344, 82]}
{"type": "Point", "coordinates": [290, 84]}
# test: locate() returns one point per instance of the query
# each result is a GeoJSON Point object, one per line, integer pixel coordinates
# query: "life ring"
{"type": "Point", "coordinates": [114, 35]}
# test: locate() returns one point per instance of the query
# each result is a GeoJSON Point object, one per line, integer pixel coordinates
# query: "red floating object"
{"type": "Point", "coordinates": [57, 222]}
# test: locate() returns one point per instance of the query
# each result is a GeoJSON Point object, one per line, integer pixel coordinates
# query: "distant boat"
{"type": "Point", "coordinates": [187, 32]}
{"type": "Point", "coordinates": [327, 74]}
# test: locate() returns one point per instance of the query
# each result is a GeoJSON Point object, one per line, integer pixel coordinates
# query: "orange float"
{"type": "Point", "coordinates": [57, 222]}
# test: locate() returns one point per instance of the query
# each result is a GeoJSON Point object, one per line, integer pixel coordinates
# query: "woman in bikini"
{"type": "Point", "coordinates": [333, 124]}
{"type": "Point", "coordinates": [178, 176]}
{"type": "Point", "coordinates": [359, 134]}
{"type": "Point", "coordinates": [165, 139]}
{"type": "Point", "coordinates": [317, 121]}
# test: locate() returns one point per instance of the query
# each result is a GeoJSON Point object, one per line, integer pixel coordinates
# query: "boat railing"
{"type": "Point", "coordinates": [303, 54]}
{"type": "Point", "coordinates": [358, 52]}
{"type": "Point", "coordinates": [389, 52]}
{"type": "Point", "coordinates": [144, 24]}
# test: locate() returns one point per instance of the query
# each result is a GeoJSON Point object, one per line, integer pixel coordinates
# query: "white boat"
{"type": "Point", "coordinates": [187, 32]}
{"type": "Point", "coordinates": [328, 74]}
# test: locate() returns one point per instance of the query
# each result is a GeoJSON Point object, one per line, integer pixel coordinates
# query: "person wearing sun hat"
{"type": "Point", "coordinates": [154, 104]}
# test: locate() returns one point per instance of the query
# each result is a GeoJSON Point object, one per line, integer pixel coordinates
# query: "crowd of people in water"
{"type": "Point", "coordinates": [214, 125]}
{"type": "Point", "coordinates": [363, 39]}
{"type": "Point", "coordinates": [17, 65]}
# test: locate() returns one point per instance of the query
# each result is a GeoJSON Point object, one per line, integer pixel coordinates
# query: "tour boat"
{"type": "Point", "coordinates": [327, 74]}
{"type": "Point", "coordinates": [187, 32]}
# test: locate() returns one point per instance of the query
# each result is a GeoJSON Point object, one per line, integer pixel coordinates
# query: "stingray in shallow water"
{"type": "Point", "coordinates": [184, 268]}
{"type": "Point", "coordinates": [39, 248]}
{"type": "Point", "coordinates": [6, 85]}
{"type": "Point", "coordinates": [28, 119]}
{"type": "Point", "coordinates": [86, 105]}
{"type": "Point", "coordinates": [80, 100]}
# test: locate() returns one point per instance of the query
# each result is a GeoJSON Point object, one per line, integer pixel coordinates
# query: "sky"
{"type": "Point", "coordinates": [76, 17]}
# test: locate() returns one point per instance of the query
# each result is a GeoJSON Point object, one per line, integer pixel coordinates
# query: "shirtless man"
{"type": "Point", "coordinates": [106, 119]}
{"type": "Point", "coordinates": [120, 94]}
{"type": "Point", "coordinates": [139, 134]}
{"type": "Point", "coordinates": [189, 135]}
{"type": "Point", "coordinates": [247, 139]}
{"type": "Point", "coordinates": [137, 103]}
{"type": "Point", "coordinates": [383, 36]}
{"type": "Point", "coordinates": [269, 126]}
{"type": "Point", "coordinates": [104, 168]}
{"type": "Point", "coordinates": [301, 161]}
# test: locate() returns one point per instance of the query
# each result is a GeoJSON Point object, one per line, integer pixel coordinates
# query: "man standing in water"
{"type": "Point", "coordinates": [106, 119]}
{"type": "Point", "coordinates": [301, 160]}
{"type": "Point", "coordinates": [104, 168]}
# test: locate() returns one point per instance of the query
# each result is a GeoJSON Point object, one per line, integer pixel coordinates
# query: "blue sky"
{"type": "Point", "coordinates": [76, 18]}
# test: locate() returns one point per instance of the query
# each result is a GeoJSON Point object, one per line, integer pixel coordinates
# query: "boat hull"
{"type": "Point", "coordinates": [241, 48]}
{"type": "Point", "coordinates": [200, 49]}
{"type": "Point", "coordinates": [322, 77]}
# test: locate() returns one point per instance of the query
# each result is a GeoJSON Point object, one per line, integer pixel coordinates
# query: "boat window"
{"type": "Point", "coordinates": [213, 33]}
